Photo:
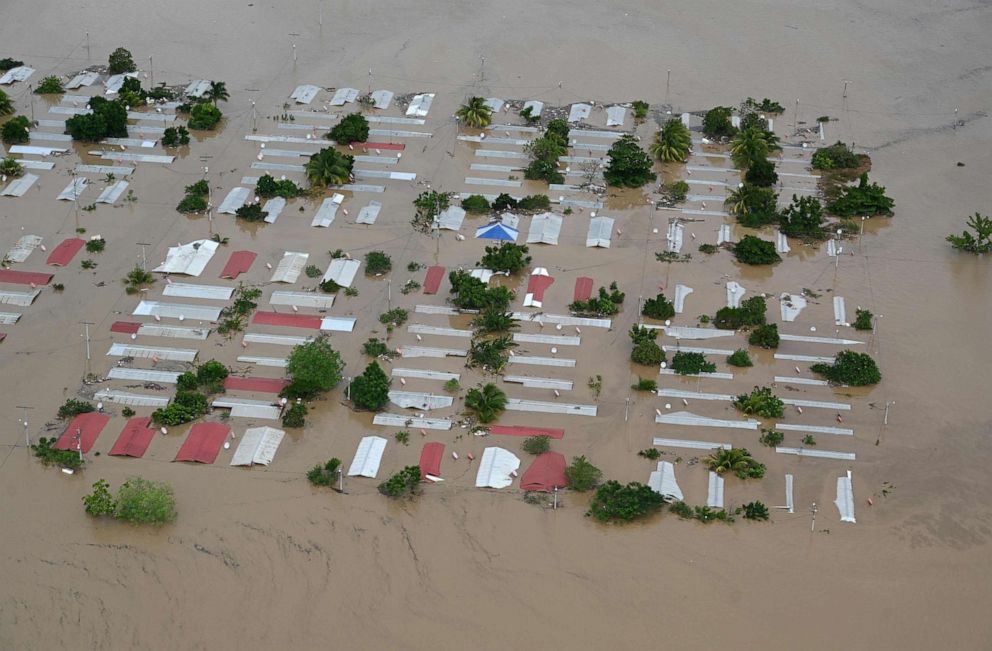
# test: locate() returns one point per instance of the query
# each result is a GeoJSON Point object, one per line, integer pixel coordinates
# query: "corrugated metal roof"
{"type": "Point", "coordinates": [496, 468]}
{"type": "Point", "coordinates": [69, 110]}
{"type": "Point", "coordinates": [791, 379]}
{"type": "Point", "coordinates": [35, 164]}
{"type": "Point", "coordinates": [382, 98]}
{"type": "Point", "coordinates": [515, 404]}
{"type": "Point", "coordinates": [369, 213]}
{"type": "Point", "coordinates": [328, 211]}
{"type": "Point", "coordinates": [816, 359]}
{"type": "Point", "coordinates": [697, 349]}
{"type": "Point", "coordinates": [692, 445]}
{"type": "Point", "coordinates": [377, 160]}
{"type": "Point", "coordinates": [148, 352]}
{"type": "Point", "coordinates": [554, 340]}
{"type": "Point", "coordinates": [343, 96]}
{"type": "Point", "coordinates": [121, 156]}
{"type": "Point", "coordinates": [545, 228]}
{"type": "Point", "coordinates": [416, 400]}
{"type": "Point", "coordinates": [286, 153]}
{"type": "Point", "coordinates": [530, 360]}
{"type": "Point", "coordinates": [424, 374]}
{"type": "Point", "coordinates": [367, 457]}
{"type": "Point", "coordinates": [24, 247]}
{"type": "Point", "coordinates": [564, 320]}
{"type": "Point", "coordinates": [499, 153]}
{"type": "Point", "coordinates": [85, 78]}
{"type": "Point", "coordinates": [290, 267]}
{"type": "Point", "coordinates": [44, 136]}
{"type": "Point", "coordinates": [9, 318]}
{"type": "Point", "coordinates": [338, 323]}
{"type": "Point", "coordinates": [35, 150]}
{"type": "Point", "coordinates": [18, 187]}
{"type": "Point", "coordinates": [615, 116]}
{"type": "Point", "coordinates": [539, 382]}
{"type": "Point", "coordinates": [197, 88]}
{"type": "Point", "coordinates": [421, 329]}
{"type": "Point", "coordinates": [21, 299]}
{"type": "Point", "coordinates": [74, 189]}
{"type": "Point", "coordinates": [362, 187]}
{"type": "Point", "coordinates": [579, 112]}
{"type": "Point", "coordinates": [423, 351]}
{"type": "Point", "coordinates": [244, 408]}
{"type": "Point", "coordinates": [275, 362]}
{"type": "Point", "coordinates": [188, 259]}
{"type": "Point", "coordinates": [275, 340]}
{"type": "Point", "coordinates": [819, 454]}
{"type": "Point", "coordinates": [175, 332]}
{"type": "Point", "coordinates": [123, 170]}
{"type": "Point", "coordinates": [189, 290]}
{"type": "Point", "coordinates": [817, 429]}
{"type": "Point", "coordinates": [662, 481]}
{"type": "Point", "coordinates": [495, 104]}
{"type": "Point", "coordinates": [436, 309]}
{"type": "Point", "coordinates": [258, 446]}
{"type": "Point", "coordinates": [342, 271]}
{"type": "Point", "coordinates": [131, 399]}
{"type": "Point", "coordinates": [112, 193]}
{"type": "Point", "coordinates": [714, 376]}
{"type": "Point", "coordinates": [20, 73]}
{"type": "Point", "coordinates": [451, 218]}
{"type": "Point", "coordinates": [234, 200]}
{"type": "Point", "coordinates": [302, 299]}
{"type": "Point", "coordinates": [400, 420]}
{"type": "Point", "coordinates": [420, 105]}
{"type": "Point", "coordinates": [687, 332]}
{"type": "Point", "coordinates": [714, 498]}
{"type": "Point", "coordinates": [503, 183]}
{"type": "Point", "coordinates": [177, 310]}
{"type": "Point", "coordinates": [382, 119]}
{"type": "Point", "coordinates": [144, 375]}
{"type": "Point", "coordinates": [688, 418]}
{"type": "Point", "coordinates": [536, 107]}
{"type": "Point", "coordinates": [305, 93]}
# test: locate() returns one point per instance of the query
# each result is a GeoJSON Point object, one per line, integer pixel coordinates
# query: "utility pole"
{"type": "Point", "coordinates": [254, 115]}
{"type": "Point", "coordinates": [144, 262]}
{"type": "Point", "coordinates": [795, 118]}
{"type": "Point", "coordinates": [294, 52]}
{"type": "Point", "coordinates": [87, 45]}
{"type": "Point", "coordinates": [151, 66]}
{"type": "Point", "coordinates": [24, 421]}
{"type": "Point", "coordinates": [846, 82]}
{"type": "Point", "coordinates": [668, 83]}
{"type": "Point", "coordinates": [79, 442]}
{"type": "Point", "coordinates": [812, 524]}
{"type": "Point", "coordinates": [885, 421]}
{"type": "Point", "coordinates": [31, 93]}
{"type": "Point", "coordinates": [86, 325]}
{"type": "Point", "coordinates": [320, 16]}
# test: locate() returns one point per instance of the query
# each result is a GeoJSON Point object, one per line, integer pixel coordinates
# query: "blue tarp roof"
{"type": "Point", "coordinates": [497, 232]}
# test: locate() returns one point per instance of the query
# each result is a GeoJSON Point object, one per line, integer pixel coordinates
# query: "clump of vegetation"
{"type": "Point", "coordinates": [980, 242]}
{"type": "Point", "coordinates": [771, 437]}
{"type": "Point", "coordinates": [607, 303]}
{"type": "Point", "coordinates": [403, 483]}
{"type": "Point", "coordinates": [750, 313]}
{"type": "Point", "coordinates": [760, 402]}
{"type": "Point", "coordinates": [677, 191]}
{"type": "Point", "coordinates": [234, 316]}
{"type": "Point", "coordinates": [370, 390]}
{"type": "Point", "coordinates": [7, 63]}
{"type": "Point", "coordinates": [107, 120]}
{"type": "Point", "coordinates": [716, 122]}
{"type": "Point", "coordinates": [764, 336]}
{"type": "Point", "coordinates": [504, 202]}
{"type": "Point", "coordinates": [736, 460]}
{"type": "Point", "coordinates": [614, 502]}
{"type": "Point", "coordinates": [429, 205]}
{"type": "Point", "coordinates": [351, 291]}
{"type": "Point", "coordinates": [137, 279]}
{"type": "Point", "coordinates": [15, 130]}
{"type": "Point", "coordinates": [185, 407]}
{"type": "Point", "coordinates": [544, 153]}
{"type": "Point", "coordinates": [452, 386]}
{"type": "Point", "coordinates": [864, 320]}
{"type": "Point", "coordinates": [809, 440]}
{"type": "Point", "coordinates": [324, 475]}
{"type": "Point", "coordinates": [204, 117]}
{"type": "Point", "coordinates": [836, 156]}
{"type": "Point", "coordinates": [377, 263]}
{"type": "Point", "coordinates": [704, 514]}
{"type": "Point", "coordinates": [863, 199]}
{"type": "Point", "coordinates": [45, 450]}
{"type": "Point", "coordinates": [6, 106]}
{"type": "Point", "coordinates": [803, 218]}
{"type": "Point", "coordinates": [652, 454]}
{"type": "Point", "coordinates": [72, 407]}
{"type": "Point", "coordinates": [475, 113]}
{"type": "Point", "coordinates": [685, 363]}
{"type": "Point", "coordinates": [251, 212]}
{"type": "Point", "coordinates": [10, 168]}
{"type": "Point", "coordinates": [766, 105]}
{"type": "Point", "coordinates": [527, 113]}
{"type": "Point", "coordinates": [175, 136]}
{"type": "Point", "coordinates": [708, 249]}
{"type": "Point", "coordinates": [470, 293]}
{"type": "Point", "coordinates": [494, 321]}
{"type": "Point", "coordinates": [312, 271]}
{"type": "Point", "coordinates": [658, 307]}
{"type": "Point", "coordinates": [313, 368]}
{"type": "Point", "coordinates": [755, 251]}
{"type": "Point", "coordinates": [672, 256]}
{"type": "Point", "coordinates": [537, 444]}
{"type": "Point", "coordinates": [50, 85]}
{"type": "Point", "coordinates": [629, 165]}
{"type": "Point", "coordinates": [375, 347]}
{"type": "Point", "coordinates": [88, 264]}
{"type": "Point", "coordinates": [851, 369]}
{"type": "Point", "coordinates": [753, 205]}
{"type": "Point", "coordinates": [640, 109]}
{"type": "Point", "coordinates": [138, 500]}
{"type": "Point", "coordinates": [761, 173]}
{"type": "Point", "coordinates": [753, 511]}
{"type": "Point", "coordinates": [403, 437]}
{"type": "Point", "coordinates": [644, 384]}
{"type": "Point", "coordinates": [329, 286]}
{"type": "Point", "coordinates": [351, 128]}
{"type": "Point", "coordinates": [490, 354]}
{"type": "Point", "coordinates": [485, 403]}
{"type": "Point", "coordinates": [268, 187]}
{"type": "Point", "coordinates": [58, 287]}
{"type": "Point", "coordinates": [329, 167]}
{"type": "Point", "coordinates": [506, 257]}
{"type": "Point", "coordinates": [120, 61]}
{"type": "Point", "coordinates": [96, 245]}
{"type": "Point", "coordinates": [672, 142]}
{"type": "Point", "coordinates": [476, 204]}
{"type": "Point", "coordinates": [395, 317]}
{"type": "Point", "coordinates": [534, 202]}
{"type": "Point", "coordinates": [582, 476]}
{"type": "Point", "coordinates": [196, 197]}
{"type": "Point", "coordinates": [646, 351]}
{"type": "Point", "coordinates": [295, 416]}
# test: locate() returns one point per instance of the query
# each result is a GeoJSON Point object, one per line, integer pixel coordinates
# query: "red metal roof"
{"type": "Point", "coordinates": [203, 442]}
{"type": "Point", "coordinates": [433, 280]}
{"type": "Point", "coordinates": [547, 471]}
{"type": "Point", "coordinates": [583, 289]}
{"type": "Point", "coordinates": [520, 430]}
{"type": "Point", "coordinates": [127, 327]}
{"type": "Point", "coordinates": [134, 438]}
{"type": "Point", "coordinates": [238, 263]}
{"type": "Point", "coordinates": [430, 459]}
{"type": "Point", "coordinates": [65, 252]}
{"type": "Point", "coordinates": [537, 284]}
{"type": "Point", "coordinates": [288, 320]}
{"type": "Point", "coordinates": [395, 146]}
{"type": "Point", "coordinates": [89, 425]}
{"type": "Point", "coordinates": [260, 384]}
{"type": "Point", "coordinates": [24, 277]}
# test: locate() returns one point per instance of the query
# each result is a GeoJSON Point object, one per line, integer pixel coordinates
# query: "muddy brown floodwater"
{"type": "Point", "coordinates": [257, 559]}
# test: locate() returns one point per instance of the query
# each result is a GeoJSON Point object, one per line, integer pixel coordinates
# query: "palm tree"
{"type": "Point", "coordinates": [486, 403]}
{"type": "Point", "coordinates": [6, 107]}
{"type": "Point", "coordinates": [329, 167]}
{"type": "Point", "coordinates": [491, 321]}
{"type": "Point", "coordinates": [734, 460]}
{"type": "Point", "coordinates": [740, 199]}
{"type": "Point", "coordinates": [218, 91]}
{"type": "Point", "coordinates": [475, 113]}
{"type": "Point", "coordinates": [752, 144]}
{"type": "Point", "coordinates": [672, 142]}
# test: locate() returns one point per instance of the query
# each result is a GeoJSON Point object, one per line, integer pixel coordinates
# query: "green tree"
{"type": "Point", "coordinates": [537, 444]}
{"type": "Point", "coordinates": [329, 167]}
{"type": "Point", "coordinates": [754, 250]}
{"type": "Point", "coordinates": [370, 390]}
{"type": "Point", "coordinates": [748, 146]}
{"type": "Point", "coordinates": [736, 460]}
{"type": "Point", "coordinates": [217, 92]}
{"type": "Point", "coordinates": [50, 85]}
{"type": "Point", "coordinates": [376, 263]}
{"type": "Point", "coordinates": [754, 206]}
{"type": "Point", "coordinates": [803, 218]}
{"type": "Point", "coordinates": [760, 402]}
{"type": "Point", "coordinates": [864, 320]}
{"type": "Point", "coordinates": [672, 142]}
{"type": "Point", "coordinates": [175, 136]}
{"type": "Point", "coordinates": [268, 187]}
{"type": "Point", "coordinates": [761, 173]}
{"type": "Point", "coordinates": [145, 502]}
{"type": "Point", "coordinates": [754, 511]}
{"type": "Point", "coordinates": [739, 358]}
{"type": "Point", "coordinates": [764, 336]}
{"type": "Point", "coordinates": [836, 156]}
{"type": "Point", "coordinates": [658, 307]}
{"type": "Point", "coordinates": [476, 204]}
{"type": "Point", "coordinates": [100, 501]}
{"type": "Point", "coordinates": [686, 363]}
{"type": "Point", "coordinates": [15, 130]}
{"type": "Point", "coordinates": [980, 242]}
{"type": "Point", "coordinates": [10, 168]}
{"type": "Point", "coordinates": [475, 113]}
{"type": "Point", "coordinates": [295, 416]}
{"type": "Point", "coordinates": [486, 403]}
{"type": "Point", "coordinates": [614, 502]}
{"type": "Point", "coordinates": [850, 369]}
{"type": "Point", "coordinates": [404, 482]}
{"type": "Point", "coordinates": [324, 475]}
{"type": "Point", "coordinates": [493, 321]}
{"type": "Point", "coordinates": [750, 313]}
{"type": "Point", "coordinates": [251, 212]}
{"type": "Point", "coordinates": [313, 368]}
{"type": "Point", "coordinates": [629, 165]}
{"type": "Point", "coordinates": [506, 257]}
{"type": "Point", "coordinates": [863, 199]}
{"type": "Point", "coordinates": [351, 128]}
{"type": "Point", "coordinates": [490, 354]}
{"type": "Point", "coordinates": [716, 122]}
{"type": "Point", "coordinates": [582, 476]}
{"type": "Point", "coordinates": [121, 61]}
{"type": "Point", "coordinates": [204, 117]}
{"type": "Point", "coordinates": [6, 106]}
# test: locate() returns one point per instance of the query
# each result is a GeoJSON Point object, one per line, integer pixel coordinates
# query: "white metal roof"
{"type": "Point", "coordinates": [692, 445]}
{"type": "Point", "coordinates": [35, 164]}
{"type": "Point", "coordinates": [820, 454]}
{"type": "Point", "coordinates": [495, 104]}
{"type": "Point", "coordinates": [188, 259]}
{"type": "Point", "coordinates": [20, 73]}
{"type": "Point", "coordinates": [344, 95]}
{"type": "Point", "coordinates": [424, 374]}
{"type": "Point", "coordinates": [688, 418]}
{"type": "Point", "coordinates": [190, 290]}
{"type": "Point", "coordinates": [302, 299]}
{"type": "Point", "coordinates": [735, 292]}
{"type": "Point", "coordinates": [369, 213]}
{"type": "Point", "coordinates": [579, 112]}
{"type": "Point", "coordinates": [276, 362]}
{"type": "Point", "coordinates": [18, 187]}
{"type": "Point", "coordinates": [234, 200]}
{"type": "Point", "coordinates": [242, 408]}
{"type": "Point", "coordinates": [328, 211]}
{"type": "Point", "coordinates": [136, 158]}
{"type": "Point", "coordinates": [177, 310]}
{"type": "Point", "coordinates": [131, 399]}
{"type": "Point", "coordinates": [197, 88]}
{"type": "Point", "coordinates": [274, 208]}
{"type": "Point", "coordinates": [536, 107]}
{"type": "Point", "coordinates": [698, 349]}
{"type": "Point", "coordinates": [275, 340]}
{"type": "Point", "coordinates": [424, 351]}
{"type": "Point", "coordinates": [144, 375]}
{"type": "Point", "coordinates": [124, 170]}
{"type": "Point", "coordinates": [9, 318]}
{"type": "Point", "coordinates": [112, 193]}
{"type": "Point", "coordinates": [840, 312]}
{"type": "Point", "coordinates": [714, 496]}
{"type": "Point", "coordinates": [85, 78]}
{"type": "Point", "coordinates": [342, 271]}
{"type": "Point", "coordinates": [148, 352]}
{"type": "Point", "coordinates": [436, 309]}
{"type": "Point", "coordinates": [305, 93]}
{"type": "Point", "coordinates": [21, 299]}
{"type": "Point", "coordinates": [417, 400]}
{"type": "Point", "coordinates": [290, 267]}
{"type": "Point", "coordinates": [681, 291]}
{"type": "Point", "coordinates": [545, 228]}
{"type": "Point", "coordinates": [382, 98]}
{"type": "Point", "coordinates": [675, 230]}
{"type": "Point", "coordinates": [420, 105]}
{"type": "Point", "coordinates": [662, 481]}
{"type": "Point", "coordinates": [50, 137]}
{"type": "Point", "coordinates": [789, 502]}
{"type": "Point", "coordinates": [496, 468]}
{"type": "Point", "coordinates": [451, 218]}
{"type": "Point", "coordinates": [401, 420]}
{"type": "Point", "coordinates": [714, 375]}
{"type": "Point", "coordinates": [69, 110]}
{"type": "Point", "coordinates": [24, 247]}
{"type": "Point", "coordinates": [539, 382]}
{"type": "Point", "coordinates": [258, 445]}
{"type": "Point", "coordinates": [515, 404]}
{"type": "Point", "coordinates": [615, 116]}
{"type": "Point", "coordinates": [338, 323]}
{"type": "Point", "coordinates": [531, 360]}
{"type": "Point", "coordinates": [845, 498]}
{"type": "Point", "coordinates": [367, 457]}
{"type": "Point", "coordinates": [115, 82]}
{"type": "Point", "coordinates": [816, 359]}
{"type": "Point", "coordinates": [421, 329]}
{"type": "Point", "coordinates": [176, 332]}
{"type": "Point", "coordinates": [74, 189]}
{"type": "Point", "coordinates": [688, 332]}
{"type": "Point", "coordinates": [564, 320]}
{"type": "Point", "coordinates": [818, 429]}
{"type": "Point", "coordinates": [554, 340]}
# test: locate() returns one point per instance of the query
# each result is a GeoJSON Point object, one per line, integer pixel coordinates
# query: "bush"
{"type": "Point", "coordinates": [329, 286]}
{"type": "Point", "coordinates": [175, 136]}
{"type": "Point", "coordinates": [45, 451]}
{"type": "Point", "coordinates": [204, 117]}
{"type": "Point", "coordinates": [535, 202]}
{"type": "Point", "coordinates": [753, 511]}
{"type": "Point", "coordinates": [145, 502]}
{"type": "Point", "coordinates": [864, 320]}
{"type": "Point", "coordinates": [764, 336]}
{"type": "Point", "coordinates": [740, 358]}
{"type": "Point", "coordinates": [187, 382]}
{"type": "Point", "coordinates": [803, 218]}
{"type": "Point", "coordinates": [863, 199]}
{"type": "Point", "coordinates": [374, 347]}
{"type": "Point", "coordinates": [537, 444]}
{"type": "Point", "coordinates": [750, 313]}
{"type": "Point", "coordinates": [503, 202]}
{"type": "Point", "coordinates": [614, 502]}
{"type": "Point", "coordinates": [761, 173]}
{"type": "Point", "coordinates": [404, 482]}
{"type": "Point", "coordinates": [486, 403]}
{"type": "Point", "coordinates": [251, 212]}
{"type": "Point", "coordinates": [647, 353]}
{"type": "Point", "coordinates": [15, 130]}
{"type": "Point", "coordinates": [108, 120]}
{"type": "Point", "coordinates": [268, 187]}
{"type": "Point", "coordinates": [760, 402]}
{"type": "Point", "coordinates": [754, 206]}
{"type": "Point", "coordinates": [506, 257]}
{"type": "Point", "coordinates": [582, 476]}
{"type": "Point", "coordinates": [100, 501]}
{"type": "Point", "coordinates": [836, 156]}
{"type": "Point", "coordinates": [736, 460]}
{"type": "Point", "coordinates": [351, 128]}
{"type": "Point", "coordinates": [685, 363]}
{"type": "Point", "coordinates": [755, 251]}
{"type": "Point", "coordinates": [490, 354]}
{"type": "Point", "coordinates": [658, 307]}
{"type": "Point", "coordinates": [211, 375]}
{"type": "Point", "coordinates": [629, 166]}
{"type": "Point", "coordinates": [403, 437]}
{"type": "Point", "coordinates": [708, 249]}
{"type": "Point", "coordinates": [120, 61]}
{"type": "Point", "coordinates": [376, 263]}
{"type": "Point", "coordinates": [313, 368]}
{"type": "Point", "coordinates": [370, 390]}
{"type": "Point", "coordinates": [809, 440]}
{"type": "Point", "coordinates": [10, 168]}
{"type": "Point", "coordinates": [678, 191]}
{"type": "Point", "coordinates": [681, 509]}
{"type": "Point", "coordinates": [452, 386]}
{"type": "Point", "coordinates": [50, 85]}
{"type": "Point", "coordinates": [771, 437]}
{"type": "Point", "coordinates": [980, 242]}
{"type": "Point", "coordinates": [640, 109]}
{"type": "Point", "coordinates": [716, 122]}
{"type": "Point", "coordinates": [295, 416]}
{"type": "Point", "coordinates": [652, 454]}
{"type": "Point", "coordinates": [324, 475]}
{"type": "Point", "coordinates": [127, 412]}
{"type": "Point", "coordinates": [7, 63]}
{"type": "Point", "coordinates": [186, 406]}
{"type": "Point", "coordinates": [73, 407]}
{"type": "Point", "coordinates": [706, 514]}
{"type": "Point", "coordinates": [644, 384]}
{"type": "Point", "coordinates": [541, 170]}
{"type": "Point", "coordinates": [396, 316]}
{"type": "Point", "coordinates": [470, 293]}
{"type": "Point", "coordinates": [476, 204]}
{"type": "Point", "coordinates": [851, 369]}
{"type": "Point", "coordinates": [607, 303]}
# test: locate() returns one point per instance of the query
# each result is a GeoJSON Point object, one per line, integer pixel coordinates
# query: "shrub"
{"type": "Point", "coordinates": [708, 249]}
{"type": "Point", "coordinates": [204, 117]}
{"type": "Point", "coordinates": [324, 475]}
{"type": "Point", "coordinates": [736, 460]}
{"type": "Point", "coordinates": [192, 203]}
{"type": "Point", "coordinates": [452, 386]}
{"type": "Point", "coordinates": [803, 218]}
{"type": "Point", "coordinates": [716, 122]}
{"type": "Point", "coordinates": [268, 187]}
{"type": "Point", "coordinates": [760, 402]}
{"type": "Point", "coordinates": [754, 206]}
{"type": "Point", "coordinates": [678, 191]}
{"type": "Point", "coordinates": [120, 61]}
{"type": "Point", "coordinates": [541, 170]}
{"type": "Point", "coordinates": [376, 263]}
{"type": "Point", "coordinates": [403, 437]}
{"type": "Point", "coordinates": [329, 286]}
{"type": "Point", "coordinates": [614, 502]}
{"type": "Point", "coordinates": [537, 444]}
{"type": "Point", "coordinates": [681, 509]}
{"type": "Point", "coordinates": [753, 511]}
{"type": "Point", "coordinates": [370, 390]}
{"type": "Point", "coordinates": [351, 128]}
{"type": "Point", "coordinates": [404, 482]}
{"type": "Point", "coordinates": [503, 202]}
{"type": "Point", "coordinates": [145, 502]}
{"type": "Point", "coordinates": [127, 412]}
{"type": "Point", "coordinates": [187, 382]}
{"type": "Point", "coordinates": [764, 336]}
{"type": "Point", "coordinates": [652, 454]}
{"type": "Point", "coordinates": [313, 368]}
{"type": "Point", "coordinates": [864, 320]}
{"type": "Point", "coordinates": [396, 316]}
{"type": "Point", "coordinates": [490, 354]}
{"type": "Point", "coordinates": [527, 113]}
{"type": "Point", "coordinates": [7, 63]}
{"type": "Point", "coordinates": [535, 202]}
{"type": "Point", "coordinates": [296, 415]}
{"type": "Point", "coordinates": [771, 437]}
{"type": "Point", "coordinates": [88, 264]}
{"type": "Point", "coordinates": [506, 257]}
{"type": "Point", "coordinates": [755, 251]}
{"type": "Point", "coordinates": [211, 375]}
{"type": "Point", "coordinates": [100, 501]}
{"type": "Point", "coordinates": [10, 168]}
{"type": "Point", "coordinates": [374, 347]}
{"type": "Point", "coordinates": [582, 476]}
{"type": "Point", "coordinates": [175, 136]}
{"type": "Point", "coordinates": [470, 293]}
{"type": "Point", "coordinates": [486, 403]}
{"type": "Point", "coordinates": [850, 368]}
{"type": "Point", "coordinates": [629, 165]}
{"type": "Point", "coordinates": [251, 212]}
{"type": "Point", "coordinates": [750, 313]}
{"type": "Point", "coordinates": [761, 173]}
{"type": "Point", "coordinates": [685, 363]}
{"type": "Point", "coordinates": [73, 407]}
{"type": "Point", "coordinates": [647, 353]}
{"type": "Point", "coordinates": [980, 242]}
{"type": "Point", "coordinates": [863, 199]}
{"type": "Point", "coordinates": [45, 451]}
{"type": "Point", "coordinates": [809, 440]}
{"type": "Point", "coordinates": [475, 204]}
{"type": "Point", "coordinates": [836, 156]}
{"type": "Point", "coordinates": [186, 406]}
{"type": "Point", "coordinates": [15, 130]}
{"type": "Point", "coordinates": [644, 384]}
{"type": "Point", "coordinates": [429, 205]}
{"type": "Point", "coordinates": [607, 303]}
{"type": "Point", "coordinates": [136, 279]}
{"type": "Point", "coordinates": [658, 307]}
{"type": "Point", "coordinates": [706, 514]}
{"type": "Point", "coordinates": [640, 109]}
{"type": "Point", "coordinates": [50, 85]}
